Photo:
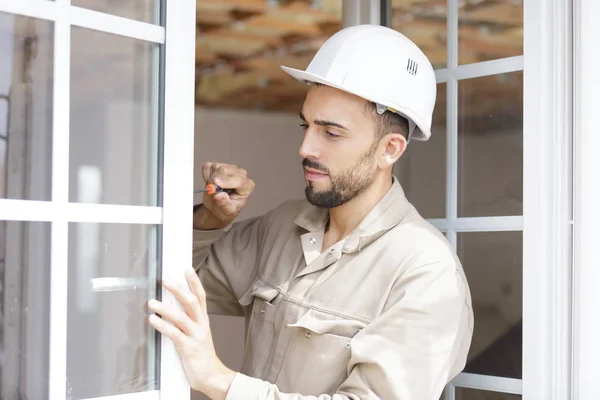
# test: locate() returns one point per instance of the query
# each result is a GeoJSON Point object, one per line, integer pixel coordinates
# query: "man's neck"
{"type": "Point", "coordinates": [345, 218]}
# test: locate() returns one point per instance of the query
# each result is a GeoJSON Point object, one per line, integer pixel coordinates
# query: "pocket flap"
{"type": "Point", "coordinates": [323, 323]}
{"type": "Point", "coordinates": [260, 290]}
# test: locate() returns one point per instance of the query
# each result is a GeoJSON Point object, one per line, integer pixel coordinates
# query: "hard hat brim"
{"type": "Point", "coordinates": [421, 132]}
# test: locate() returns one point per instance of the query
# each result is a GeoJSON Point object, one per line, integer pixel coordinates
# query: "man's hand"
{"type": "Point", "coordinates": [221, 209]}
{"type": "Point", "coordinates": [191, 335]}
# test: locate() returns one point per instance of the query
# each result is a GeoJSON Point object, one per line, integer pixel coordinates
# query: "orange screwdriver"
{"type": "Point", "coordinates": [211, 188]}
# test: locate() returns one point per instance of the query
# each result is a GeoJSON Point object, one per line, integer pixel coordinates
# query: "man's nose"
{"type": "Point", "coordinates": [309, 148]}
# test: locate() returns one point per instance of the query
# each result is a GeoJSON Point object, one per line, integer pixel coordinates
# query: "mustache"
{"type": "Point", "coordinates": [315, 165]}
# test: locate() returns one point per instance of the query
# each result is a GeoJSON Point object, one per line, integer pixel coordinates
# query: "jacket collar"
{"type": "Point", "coordinates": [386, 214]}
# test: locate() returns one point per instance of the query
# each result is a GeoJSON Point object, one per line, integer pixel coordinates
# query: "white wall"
{"type": "Point", "coordinates": [265, 144]}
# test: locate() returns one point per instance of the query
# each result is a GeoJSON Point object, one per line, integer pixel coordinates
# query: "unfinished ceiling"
{"type": "Point", "coordinates": [242, 43]}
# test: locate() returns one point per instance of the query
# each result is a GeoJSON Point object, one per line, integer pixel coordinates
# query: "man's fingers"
{"type": "Point", "coordinates": [228, 176]}
{"type": "Point", "coordinates": [178, 318]}
{"type": "Point", "coordinates": [186, 298]}
{"type": "Point", "coordinates": [220, 170]}
{"type": "Point", "coordinates": [246, 187]}
{"type": "Point", "coordinates": [242, 184]}
{"type": "Point", "coordinates": [226, 205]}
{"type": "Point", "coordinates": [213, 168]}
{"type": "Point", "coordinates": [167, 329]}
{"type": "Point", "coordinates": [209, 168]}
{"type": "Point", "coordinates": [196, 286]}
{"type": "Point", "coordinates": [206, 170]}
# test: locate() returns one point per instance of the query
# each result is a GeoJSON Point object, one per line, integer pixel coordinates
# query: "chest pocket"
{"type": "Point", "coordinates": [319, 353]}
{"type": "Point", "coordinates": [260, 328]}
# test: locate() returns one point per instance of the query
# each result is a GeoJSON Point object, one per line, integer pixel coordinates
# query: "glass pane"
{"type": "Point", "coordinates": [494, 268]}
{"type": "Point", "coordinates": [24, 309]}
{"type": "Point", "coordinates": [141, 10]}
{"type": "Point", "coordinates": [26, 57]}
{"type": "Point", "coordinates": [422, 168]}
{"type": "Point", "coordinates": [114, 120]}
{"type": "Point", "coordinates": [490, 146]}
{"type": "Point", "coordinates": [474, 394]}
{"type": "Point", "coordinates": [111, 349]}
{"type": "Point", "coordinates": [239, 54]}
{"type": "Point", "coordinates": [489, 29]}
{"type": "Point", "coordinates": [423, 22]}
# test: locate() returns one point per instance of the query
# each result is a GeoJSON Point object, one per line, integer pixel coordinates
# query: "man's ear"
{"type": "Point", "coordinates": [394, 145]}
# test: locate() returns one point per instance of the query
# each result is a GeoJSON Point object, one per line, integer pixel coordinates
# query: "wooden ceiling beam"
{"type": "Point", "coordinates": [418, 3]}
{"type": "Point", "coordinates": [250, 39]}
{"type": "Point", "coordinates": [229, 44]}
{"type": "Point", "coordinates": [494, 12]}
{"type": "Point", "coordinates": [271, 98]}
{"type": "Point", "coordinates": [271, 67]}
{"type": "Point", "coordinates": [268, 24]}
{"type": "Point", "coordinates": [241, 35]}
{"type": "Point", "coordinates": [256, 6]}
{"type": "Point", "coordinates": [216, 87]}
{"type": "Point", "coordinates": [301, 12]}
{"type": "Point", "coordinates": [204, 56]}
{"type": "Point", "coordinates": [214, 17]}
{"type": "Point", "coordinates": [493, 50]}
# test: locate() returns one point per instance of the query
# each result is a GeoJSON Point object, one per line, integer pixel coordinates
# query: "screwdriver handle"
{"type": "Point", "coordinates": [214, 189]}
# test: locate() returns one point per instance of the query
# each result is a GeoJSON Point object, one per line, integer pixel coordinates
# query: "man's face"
{"type": "Point", "coordinates": [339, 149]}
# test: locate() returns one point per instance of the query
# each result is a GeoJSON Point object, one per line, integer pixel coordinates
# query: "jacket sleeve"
{"type": "Point", "coordinates": [226, 264]}
{"type": "Point", "coordinates": [410, 352]}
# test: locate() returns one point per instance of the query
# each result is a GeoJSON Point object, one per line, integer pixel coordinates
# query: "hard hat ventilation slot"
{"type": "Point", "coordinates": [412, 67]}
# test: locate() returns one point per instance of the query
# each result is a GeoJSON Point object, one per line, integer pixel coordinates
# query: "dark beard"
{"type": "Point", "coordinates": [344, 186]}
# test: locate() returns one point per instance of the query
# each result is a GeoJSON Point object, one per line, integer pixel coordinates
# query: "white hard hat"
{"type": "Point", "coordinates": [381, 65]}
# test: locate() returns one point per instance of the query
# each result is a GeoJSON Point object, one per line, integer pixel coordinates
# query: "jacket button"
{"type": "Point", "coordinates": [307, 335]}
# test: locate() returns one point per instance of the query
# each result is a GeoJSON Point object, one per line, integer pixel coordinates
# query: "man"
{"type": "Point", "coordinates": [349, 293]}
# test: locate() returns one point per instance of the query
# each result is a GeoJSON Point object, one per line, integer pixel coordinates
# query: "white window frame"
{"type": "Point", "coordinates": [586, 321]}
{"type": "Point", "coordinates": [547, 219]}
{"type": "Point", "coordinates": [178, 142]}
{"type": "Point", "coordinates": [547, 197]}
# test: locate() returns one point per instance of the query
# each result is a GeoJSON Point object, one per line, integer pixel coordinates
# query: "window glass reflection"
{"type": "Point", "coordinates": [24, 309]}
{"type": "Point", "coordinates": [114, 140]}
{"type": "Point", "coordinates": [111, 348]}
{"type": "Point", "coordinates": [26, 73]}
{"type": "Point", "coordinates": [493, 263]}
{"type": "Point", "coordinates": [489, 30]}
{"type": "Point", "coordinates": [423, 22]}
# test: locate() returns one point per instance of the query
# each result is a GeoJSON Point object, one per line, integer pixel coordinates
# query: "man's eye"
{"type": "Point", "coordinates": [304, 126]}
{"type": "Point", "coordinates": [331, 134]}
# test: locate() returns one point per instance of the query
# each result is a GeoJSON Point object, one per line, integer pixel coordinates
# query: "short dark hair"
{"type": "Point", "coordinates": [388, 122]}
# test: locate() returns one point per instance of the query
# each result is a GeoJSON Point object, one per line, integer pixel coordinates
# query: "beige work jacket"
{"type": "Point", "coordinates": [383, 314]}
